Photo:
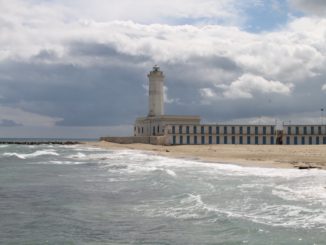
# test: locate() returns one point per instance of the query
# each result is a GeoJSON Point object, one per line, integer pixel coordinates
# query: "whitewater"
{"type": "Point", "coordinates": [83, 195]}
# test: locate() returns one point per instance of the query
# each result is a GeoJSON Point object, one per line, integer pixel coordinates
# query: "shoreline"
{"type": "Point", "coordinates": [267, 156]}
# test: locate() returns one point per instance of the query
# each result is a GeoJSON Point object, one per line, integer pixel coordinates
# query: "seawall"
{"type": "Point", "coordinates": [154, 140]}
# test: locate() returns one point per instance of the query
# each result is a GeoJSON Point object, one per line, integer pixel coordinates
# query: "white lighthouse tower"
{"type": "Point", "coordinates": [147, 129]}
{"type": "Point", "coordinates": [156, 93]}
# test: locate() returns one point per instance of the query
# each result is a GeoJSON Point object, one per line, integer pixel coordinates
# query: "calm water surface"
{"type": "Point", "coordinates": [79, 195]}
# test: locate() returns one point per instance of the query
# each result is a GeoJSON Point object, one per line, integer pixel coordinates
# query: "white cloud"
{"type": "Point", "coordinates": [323, 88]}
{"type": "Point", "coordinates": [149, 11]}
{"type": "Point", "coordinates": [292, 54]}
{"type": "Point", "coordinates": [167, 99]}
{"type": "Point", "coordinates": [207, 93]}
{"type": "Point", "coordinates": [25, 118]}
{"type": "Point", "coordinates": [247, 84]}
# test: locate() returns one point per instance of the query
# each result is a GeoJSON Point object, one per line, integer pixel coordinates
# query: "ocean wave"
{"type": "Point", "coordinates": [79, 155]}
{"type": "Point", "coordinates": [4, 146]}
{"type": "Point", "coordinates": [171, 172]}
{"type": "Point", "coordinates": [64, 163]}
{"type": "Point", "coordinates": [192, 206]}
{"type": "Point", "coordinates": [136, 156]}
{"type": "Point", "coordinates": [140, 169]}
{"type": "Point", "coordinates": [31, 155]}
{"type": "Point", "coordinates": [312, 193]}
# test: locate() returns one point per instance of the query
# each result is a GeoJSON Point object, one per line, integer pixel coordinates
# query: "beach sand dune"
{"type": "Point", "coordinates": [277, 156]}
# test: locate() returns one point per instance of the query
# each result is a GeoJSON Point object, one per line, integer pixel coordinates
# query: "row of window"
{"type": "Point", "coordinates": [155, 130]}
{"type": "Point", "coordinates": [225, 140]}
{"type": "Point", "coordinates": [217, 129]}
{"type": "Point", "coordinates": [290, 130]}
{"type": "Point", "coordinates": [186, 140]}
{"type": "Point", "coordinates": [304, 130]}
{"type": "Point", "coordinates": [295, 140]}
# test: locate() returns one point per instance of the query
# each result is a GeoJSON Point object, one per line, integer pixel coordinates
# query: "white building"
{"type": "Point", "coordinates": [157, 128]}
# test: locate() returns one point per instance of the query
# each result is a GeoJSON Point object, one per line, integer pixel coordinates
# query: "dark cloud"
{"type": "Point", "coordinates": [315, 7]}
{"type": "Point", "coordinates": [9, 123]}
{"type": "Point", "coordinates": [46, 55]}
{"type": "Point", "coordinates": [82, 96]}
{"type": "Point", "coordinates": [107, 51]}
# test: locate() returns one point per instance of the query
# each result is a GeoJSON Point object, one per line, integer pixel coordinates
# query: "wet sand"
{"type": "Point", "coordinates": [275, 156]}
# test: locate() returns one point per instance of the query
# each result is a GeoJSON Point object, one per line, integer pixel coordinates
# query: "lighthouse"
{"type": "Point", "coordinates": [147, 128]}
{"type": "Point", "coordinates": [156, 92]}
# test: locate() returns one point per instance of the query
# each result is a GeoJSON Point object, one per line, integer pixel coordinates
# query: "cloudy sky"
{"type": "Point", "coordinates": [77, 68]}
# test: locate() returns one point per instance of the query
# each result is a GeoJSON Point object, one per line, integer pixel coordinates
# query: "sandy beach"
{"type": "Point", "coordinates": [275, 156]}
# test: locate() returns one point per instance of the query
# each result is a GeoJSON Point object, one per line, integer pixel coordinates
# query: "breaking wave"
{"type": "Point", "coordinates": [31, 155]}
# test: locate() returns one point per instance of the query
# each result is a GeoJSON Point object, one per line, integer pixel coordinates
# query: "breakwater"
{"type": "Point", "coordinates": [39, 142]}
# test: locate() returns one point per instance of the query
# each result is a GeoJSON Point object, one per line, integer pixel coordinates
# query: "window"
{"type": "Point", "coordinates": [210, 129]}
{"type": "Point", "coordinates": [241, 129]}
{"type": "Point", "coordinates": [295, 140]}
{"type": "Point", "coordinates": [310, 140]}
{"type": "Point", "coordinates": [297, 130]}
{"type": "Point", "coordinates": [202, 129]}
{"type": "Point", "coordinates": [181, 139]}
{"type": "Point", "coordinates": [256, 140]}
{"type": "Point", "coordinates": [305, 130]}
{"type": "Point", "coordinates": [324, 141]}
{"type": "Point", "coordinates": [195, 130]}
{"type": "Point", "coordinates": [256, 130]}
{"type": "Point", "coordinates": [288, 140]}
{"type": "Point", "coordinates": [158, 129]}
{"type": "Point", "coordinates": [272, 129]}
{"type": "Point", "coordinates": [174, 140]}
{"type": "Point", "coordinates": [225, 130]}
{"type": "Point", "coordinates": [225, 139]}
{"type": "Point", "coordinates": [188, 139]}
{"type": "Point", "coordinates": [187, 129]}
{"type": "Point", "coordinates": [173, 129]}
{"type": "Point", "coordinates": [180, 129]}
{"type": "Point", "coordinates": [210, 139]}
{"type": "Point", "coordinates": [248, 140]}
{"type": "Point", "coordinates": [272, 140]}
{"type": "Point", "coordinates": [312, 130]}
{"type": "Point", "coordinates": [264, 130]}
{"type": "Point", "coordinates": [142, 130]}
{"type": "Point", "coordinates": [233, 130]}
{"type": "Point", "coordinates": [289, 130]}
{"type": "Point", "coordinates": [319, 130]}
{"type": "Point", "coordinates": [195, 140]}
{"type": "Point", "coordinates": [134, 129]}
{"type": "Point", "coordinates": [264, 140]}
{"type": "Point", "coordinates": [217, 139]}
{"type": "Point", "coordinates": [233, 140]}
{"type": "Point", "coordinates": [153, 130]}
{"type": "Point", "coordinates": [303, 140]}
{"type": "Point", "coordinates": [317, 140]}
{"type": "Point", "coordinates": [203, 140]}
{"type": "Point", "coordinates": [240, 140]}
{"type": "Point", "coordinates": [217, 130]}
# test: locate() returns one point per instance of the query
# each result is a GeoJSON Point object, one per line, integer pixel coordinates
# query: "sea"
{"type": "Point", "coordinates": [60, 194]}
